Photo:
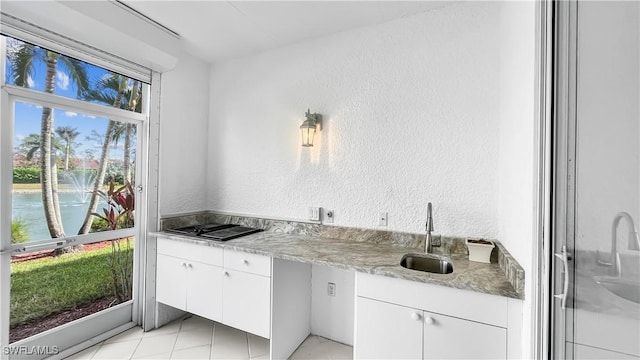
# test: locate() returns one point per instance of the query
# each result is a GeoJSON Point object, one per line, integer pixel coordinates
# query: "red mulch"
{"type": "Point", "coordinates": [37, 326]}
{"type": "Point", "coordinates": [50, 253]}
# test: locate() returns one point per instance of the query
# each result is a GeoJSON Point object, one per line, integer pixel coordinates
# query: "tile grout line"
{"type": "Point", "coordinates": [134, 350]}
{"type": "Point", "coordinates": [213, 335]}
{"type": "Point", "coordinates": [95, 352]}
{"type": "Point", "coordinates": [176, 340]}
{"type": "Point", "coordinates": [246, 337]}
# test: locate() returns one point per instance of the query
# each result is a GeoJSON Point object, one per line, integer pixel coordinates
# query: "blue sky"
{"type": "Point", "coordinates": [28, 116]}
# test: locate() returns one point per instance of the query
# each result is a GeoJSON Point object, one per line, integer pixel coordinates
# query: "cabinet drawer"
{"type": "Point", "coordinates": [194, 252]}
{"type": "Point", "coordinates": [249, 263]}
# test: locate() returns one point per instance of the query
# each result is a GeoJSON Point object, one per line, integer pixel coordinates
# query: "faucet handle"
{"type": "Point", "coordinates": [436, 240]}
{"type": "Point", "coordinates": [602, 262]}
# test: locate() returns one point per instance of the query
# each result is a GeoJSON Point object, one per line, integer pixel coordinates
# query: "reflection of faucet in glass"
{"type": "Point", "coordinates": [634, 242]}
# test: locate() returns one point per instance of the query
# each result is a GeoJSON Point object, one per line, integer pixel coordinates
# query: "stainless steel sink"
{"type": "Point", "coordinates": [428, 263]}
{"type": "Point", "coordinates": [624, 288]}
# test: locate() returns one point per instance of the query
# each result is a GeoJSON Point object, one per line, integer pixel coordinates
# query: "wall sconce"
{"type": "Point", "coordinates": [309, 127]}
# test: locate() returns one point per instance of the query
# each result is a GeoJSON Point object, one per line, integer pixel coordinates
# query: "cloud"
{"type": "Point", "coordinates": [20, 137]}
{"type": "Point", "coordinates": [62, 80]}
{"type": "Point", "coordinates": [70, 113]}
{"type": "Point", "coordinates": [30, 82]}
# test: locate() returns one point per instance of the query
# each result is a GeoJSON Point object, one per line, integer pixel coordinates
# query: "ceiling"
{"type": "Point", "coordinates": [216, 30]}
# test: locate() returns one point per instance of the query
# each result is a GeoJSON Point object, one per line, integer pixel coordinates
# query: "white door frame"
{"type": "Point", "coordinates": [83, 332]}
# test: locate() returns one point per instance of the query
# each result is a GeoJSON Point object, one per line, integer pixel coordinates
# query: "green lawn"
{"type": "Point", "coordinates": [47, 286]}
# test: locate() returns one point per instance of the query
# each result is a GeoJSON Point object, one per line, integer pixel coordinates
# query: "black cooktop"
{"type": "Point", "coordinates": [219, 232]}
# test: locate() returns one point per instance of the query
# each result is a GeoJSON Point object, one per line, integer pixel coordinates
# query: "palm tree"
{"type": "Point", "coordinates": [23, 62]}
{"type": "Point", "coordinates": [68, 134]}
{"type": "Point", "coordinates": [113, 90]}
{"type": "Point", "coordinates": [30, 146]}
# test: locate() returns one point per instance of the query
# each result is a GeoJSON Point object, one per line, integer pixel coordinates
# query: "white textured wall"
{"type": "Point", "coordinates": [410, 116]}
{"type": "Point", "coordinates": [184, 121]}
{"type": "Point", "coordinates": [516, 207]}
{"type": "Point", "coordinates": [332, 316]}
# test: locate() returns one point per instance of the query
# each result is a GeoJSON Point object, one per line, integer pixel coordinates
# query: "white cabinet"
{"type": "Point", "coordinates": [204, 295]}
{"type": "Point", "coordinates": [390, 331]}
{"type": "Point", "coordinates": [403, 319]}
{"type": "Point", "coordinates": [171, 285]}
{"type": "Point", "coordinates": [223, 285]}
{"type": "Point", "coordinates": [387, 331]}
{"type": "Point", "coordinates": [247, 292]}
{"type": "Point", "coordinates": [190, 281]}
{"type": "Point", "coordinates": [447, 337]}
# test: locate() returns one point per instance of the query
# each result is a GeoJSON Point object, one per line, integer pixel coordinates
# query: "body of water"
{"type": "Point", "coordinates": [28, 208]}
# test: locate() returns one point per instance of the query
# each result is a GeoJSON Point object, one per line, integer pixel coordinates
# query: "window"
{"type": "Point", "coordinates": [72, 136]}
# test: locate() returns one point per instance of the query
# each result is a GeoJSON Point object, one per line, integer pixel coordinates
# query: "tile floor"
{"type": "Point", "coordinates": [197, 338]}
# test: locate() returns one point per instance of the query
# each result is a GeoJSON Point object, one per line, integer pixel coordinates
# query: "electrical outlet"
{"type": "Point", "coordinates": [328, 216]}
{"type": "Point", "coordinates": [314, 213]}
{"type": "Point", "coordinates": [382, 219]}
{"type": "Point", "coordinates": [331, 289]}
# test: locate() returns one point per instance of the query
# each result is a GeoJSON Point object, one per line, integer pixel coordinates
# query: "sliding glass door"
{"type": "Point", "coordinates": [72, 154]}
{"type": "Point", "coordinates": [597, 193]}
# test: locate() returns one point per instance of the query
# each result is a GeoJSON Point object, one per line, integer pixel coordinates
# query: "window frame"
{"type": "Point", "coordinates": [147, 150]}
{"type": "Point", "coordinates": [18, 94]}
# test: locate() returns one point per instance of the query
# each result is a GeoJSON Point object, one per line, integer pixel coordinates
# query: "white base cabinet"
{"type": "Point", "coordinates": [222, 285]}
{"type": "Point", "coordinates": [190, 283]}
{"type": "Point", "coordinates": [447, 337]}
{"type": "Point", "coordinates": [387, 331]}
{"type": "Point", "coordinates": [403, 319]}
{"type": "Point", "coordinates": [246, 297]}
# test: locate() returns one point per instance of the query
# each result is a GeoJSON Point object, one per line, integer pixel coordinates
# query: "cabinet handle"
{"type": "Point", "coordinates": [184, 265]}
{"type": "Point", "coordinates": [416, 316]}
{"type": "Point", "coordinates": [245, 261]}
{"type": "Point", "coordinates": [429, 320]}
{"type": "Point", "coordinates": [226, 273]}
{"type": "Point", "coordinates": [190, 266]}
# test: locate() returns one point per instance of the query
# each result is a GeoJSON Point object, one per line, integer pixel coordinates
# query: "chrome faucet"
{"type": "Point", "coordinates": [428, 242]}
{"type": "Point", "coordinates": [633, 244]}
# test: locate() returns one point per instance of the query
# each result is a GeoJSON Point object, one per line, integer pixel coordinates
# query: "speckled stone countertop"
{"type": "Point", "coordinates": [379, 258]}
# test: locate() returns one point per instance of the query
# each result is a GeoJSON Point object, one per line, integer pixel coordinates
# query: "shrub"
{"type": "Point", "coordinates": [100, 224]}
{"type": "Point", "coordinates": [26, 175]}
{"type": "Point", "coordinates": [19, 233]}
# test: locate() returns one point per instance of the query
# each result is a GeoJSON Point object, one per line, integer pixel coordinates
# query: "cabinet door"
{"type": "Point", "coordinates": [247, 302]}
{"type": "Point", "coordinates": [387, 331]}
{"type": "Point", "coordinates": [204, 291]}
{"type": "Point", "coordinates": [447, 337]}
{"type": "Point", "coordinates": [171, 287]}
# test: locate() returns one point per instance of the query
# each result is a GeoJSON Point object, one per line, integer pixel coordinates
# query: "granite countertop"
{"type": "Point", "coordinates": [371, 258]}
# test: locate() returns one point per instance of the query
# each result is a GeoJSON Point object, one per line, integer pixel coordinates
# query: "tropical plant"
{"type": "Point", "coordinates": [120, 92]}
{"type": "Point", "coordinates": [23, 60]}
{"type": "Point", "coordinates": [120, 204]}
{"type": "Point", "coordinates": [19, 232]}
{"type": "Point", "coordinates": [68, 134]}
{"type": "Point", "coordinates": [119, 213]}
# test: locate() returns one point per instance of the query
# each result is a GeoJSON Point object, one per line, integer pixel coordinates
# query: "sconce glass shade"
{"type": "Point", "coordinates": [309, 127]}
{"type": "Point", "coordinates": [308, 131]}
